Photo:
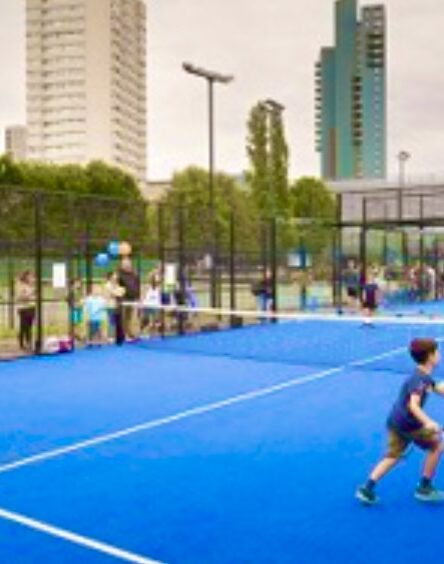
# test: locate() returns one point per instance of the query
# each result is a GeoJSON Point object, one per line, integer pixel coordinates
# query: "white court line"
{"type": "Point", "coordinates": [75, 538]}
{"type": "Point", "coordinates": [261, 392]}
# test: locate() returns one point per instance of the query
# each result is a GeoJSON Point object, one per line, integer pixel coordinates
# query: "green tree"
{"type": "Point", "coordinates": [190, 191]}
{"type": "Point", "coordinates": [257, 151]}
{"type": "Point", "coordinates": [311, 198]}
{"type": "Point", "coordinates": [313, 205]}
{"type": "Point", "coordinates": [10, 172]}
{"type": "Point", "coordinates": [279, 162]}
{"type": "Point", "coordinates": [268, 154]}
{"type": "Point", "coordinates": [96, 201]}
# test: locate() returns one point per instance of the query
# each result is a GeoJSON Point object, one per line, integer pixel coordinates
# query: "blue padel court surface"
{"type": "Point", "coordinates": [152, 454]}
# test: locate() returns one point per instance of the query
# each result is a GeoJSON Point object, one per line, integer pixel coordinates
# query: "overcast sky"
{"type": "Point", "coordinates": [270, 46]}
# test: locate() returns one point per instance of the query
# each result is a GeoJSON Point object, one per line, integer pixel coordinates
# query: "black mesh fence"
{"type": "Point", "coordinates": [228, 260]}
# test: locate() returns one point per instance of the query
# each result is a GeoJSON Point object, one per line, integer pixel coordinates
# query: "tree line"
{"type": "Point", "coordinates": [104, 202]}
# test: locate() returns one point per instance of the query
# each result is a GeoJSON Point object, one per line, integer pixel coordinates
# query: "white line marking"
{"type": "Point", "coordinates": [75, 538]}
{"type": "Point", "coordinates": [165, 420]}
{"type": "Point", "coordinates": [247, 396]}
{"type": "Point", "coordinates": [378, 357]}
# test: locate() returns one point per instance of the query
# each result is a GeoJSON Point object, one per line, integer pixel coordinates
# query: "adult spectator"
{"type": "Point", "coordinates": [129, 280]}
{"type": "Point", "coordinates": [26, 309]}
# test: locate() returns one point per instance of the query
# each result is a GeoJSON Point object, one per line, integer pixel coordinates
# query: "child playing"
{"type": "Point", "coordinates": [408, 423]}
{"type": "Point", "coordinates": [370, 298]}
{"type": "Point", "coordinates": [95, 309]}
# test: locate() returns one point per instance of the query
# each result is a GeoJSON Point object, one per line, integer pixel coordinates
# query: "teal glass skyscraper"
{"type": "Point", "coordinates": [351, 95]}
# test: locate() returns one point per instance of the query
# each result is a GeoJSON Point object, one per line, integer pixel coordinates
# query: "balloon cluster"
{"type": "Point", "coordinates": [114, 250]}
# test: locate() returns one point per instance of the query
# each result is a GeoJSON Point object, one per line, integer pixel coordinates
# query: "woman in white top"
{"type": "Point", "coordinates": [151, 303]}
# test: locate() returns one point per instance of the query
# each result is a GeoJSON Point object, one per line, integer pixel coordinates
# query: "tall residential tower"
{"type": "Point", "coordinates": [86, 82]}
{"type": "Point", "coordinates": [351, 95]}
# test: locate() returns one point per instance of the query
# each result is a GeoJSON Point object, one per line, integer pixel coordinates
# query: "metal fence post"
{"type": "Point", "coordinates": [363, 244]}
{"type": "Point", "coordinates": [38, 256]}
{"type": "Point", "coordinates": [11, 284]}
{"type": "Point", "coordinates": [182, 282]}
{"type": "Point", "coordinates": [232, 261]}
{"type": "Point", "coordinates": [274, 266]}
{"type": "Point", "coordinates": [161, 253]}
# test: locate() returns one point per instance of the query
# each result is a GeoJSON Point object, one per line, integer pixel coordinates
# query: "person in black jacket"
{"type": "Point", "coordinates": [130, 282]}
{"type": "Point", "coordinates": [263, 291]}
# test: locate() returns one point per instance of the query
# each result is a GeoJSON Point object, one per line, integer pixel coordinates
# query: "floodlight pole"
{"type": "Point", "coordinates": [211, 77]}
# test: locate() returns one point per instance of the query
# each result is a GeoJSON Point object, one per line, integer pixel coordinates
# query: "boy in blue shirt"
{"type": "Point", "coordinates": [408, 423]}
{"type": "Point", "coordinates": [95, 309]}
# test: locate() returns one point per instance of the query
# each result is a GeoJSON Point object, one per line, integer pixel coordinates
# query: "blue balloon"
{"type": "Point", "coordinates": [113, 249]}
{"type": "Point", "coordinates": [102, 259]}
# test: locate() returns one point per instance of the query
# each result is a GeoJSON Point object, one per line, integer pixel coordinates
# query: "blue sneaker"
{"type": "Point", "coordinates": [366, 496]}
{"type": "Point", "coordinates": [429, 494]}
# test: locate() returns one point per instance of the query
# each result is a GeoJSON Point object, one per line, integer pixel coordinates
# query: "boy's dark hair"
{"type": "Point", "coordinates": [421, 349]}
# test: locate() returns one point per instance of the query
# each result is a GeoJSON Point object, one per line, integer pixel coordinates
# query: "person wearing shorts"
{"type": "Point", "coordinates": [352, 284]}
{"type": "Point", "coordinates": [370, 297]}
{"type": "Point", "coordinates": [409, 424]}
{"type": "Point", "coordinates": [95, 309]}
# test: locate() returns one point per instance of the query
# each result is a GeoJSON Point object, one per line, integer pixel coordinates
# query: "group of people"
{"type": "Point", "coordinates": [413, 284]}
{"type": "Point", "coordinates": [110, 309]}
{"type": "Point", "coordinates": [363, 290]}
{"type": "Point", "coordinates": [119, 309]}
{"type": "Point", "coordinates": [124, 306]}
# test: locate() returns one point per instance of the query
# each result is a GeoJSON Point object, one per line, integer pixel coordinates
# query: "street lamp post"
{"type": "Point", "coordinates": [211, 77]}
{"type": "Point", "coordinates": [273, 105]}
{"type": "Point", "coordinates": [403, 157]}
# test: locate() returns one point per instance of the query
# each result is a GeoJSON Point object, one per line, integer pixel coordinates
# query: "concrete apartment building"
{"type": "Point", "coordinates": [16, 142]}
{"type": "Point", "coordinates": [86, 82]}
{"type": "Point", "coordinates": [351, 95]}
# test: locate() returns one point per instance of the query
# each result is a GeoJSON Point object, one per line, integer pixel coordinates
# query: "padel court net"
{"type": "Point", "coordinates": [380, 343]}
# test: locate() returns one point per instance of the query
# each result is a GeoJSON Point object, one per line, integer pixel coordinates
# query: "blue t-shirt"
{"type": "Point", "coordinates": [95, 308]}
{"type": "Point", "coordinates": [400, 417]}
